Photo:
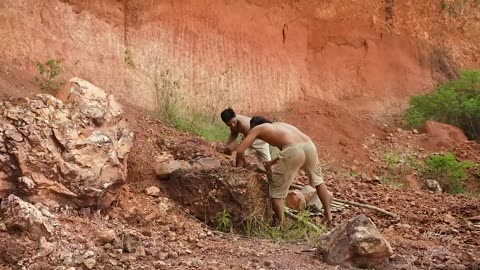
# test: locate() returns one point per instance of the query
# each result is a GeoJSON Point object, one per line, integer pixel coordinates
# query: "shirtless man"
{"type": "Point", "coordinates": [240, 125]}
{"type": "Point", "coordinates": [297, 152]}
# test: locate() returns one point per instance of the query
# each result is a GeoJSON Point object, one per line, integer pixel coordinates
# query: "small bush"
{"type": "Point", "coordinates": [398, 166]}
{"type": "Point", "coordinates": [128, 58]}
{"type": "Point", "coordinates": [447, 171]}
{"type": "Point", "coordinates": [224, 223]}
{"type": "Point", "coordinates": [49, 80]}
{"type": "Point", "coordinates": [456, 103]}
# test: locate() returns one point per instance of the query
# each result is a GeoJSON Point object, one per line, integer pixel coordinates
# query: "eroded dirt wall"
{"type": "Point", "coordinates": [254, 55]}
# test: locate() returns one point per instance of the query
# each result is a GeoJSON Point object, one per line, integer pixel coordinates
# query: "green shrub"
{"type": "Point", "coordinates": [224, 223]}
{"type": "Point", "coordinates": [169, 109]}
{"type": "Point", "coordinates": [456, 103]}
{"type": "Point", "coordinates": [197, 124]}
{"type": "Point", "coordinates": [447, 171]}
{"type": "Point", "coordinates": [49, 72]}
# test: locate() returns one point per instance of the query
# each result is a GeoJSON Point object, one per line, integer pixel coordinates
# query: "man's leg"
{"type": "Point", "coordinates": [290, 161]}
{"type": "Point", "coordinates": [314, 171]}
{"type": "Point", "coordinates": [278, 209]}
{"type": "Point", "coordinates": [326, 199]}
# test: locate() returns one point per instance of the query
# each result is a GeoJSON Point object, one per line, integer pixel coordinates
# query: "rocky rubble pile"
{"type": "Point", "coordinates": [71, 152]}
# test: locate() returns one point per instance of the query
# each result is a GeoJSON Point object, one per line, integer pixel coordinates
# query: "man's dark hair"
{"type": "Point", "coordinates": [258, 120]}
{"type": "Point", "coordinates": [227, 115]}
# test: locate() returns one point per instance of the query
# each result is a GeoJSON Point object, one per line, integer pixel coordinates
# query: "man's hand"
{"type": "Point", "coordinates": [268, 165]}
{"type": "Point", "coordinates": [223, 148]}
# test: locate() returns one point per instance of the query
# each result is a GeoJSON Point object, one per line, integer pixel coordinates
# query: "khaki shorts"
{"type": "Point", "coordinates": [261, 149]}
{"type": "Point", "coordinates": [291, 159]}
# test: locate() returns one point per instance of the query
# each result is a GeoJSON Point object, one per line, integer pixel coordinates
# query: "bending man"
{"type": "Point", "coordinates": [240, 125]}
{"type": "Point", "coordinates": [297, 152]}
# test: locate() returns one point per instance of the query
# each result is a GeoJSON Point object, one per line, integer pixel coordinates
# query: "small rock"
{"type": "Point", "coordinates": [165, 168]}
{"type": "Point", "coordinates": [140, 251]}
{"type": "Point", "coordinates": [160, 264]}
{"type": "Point", "coordinates": [104, 236]}
{"type": "Point", "coordinates": [172, 255]}
{"type": "Point", "coordinates": [415, 131]}
{"type": "Point", "coordinates": [113, 262]}
{"type": "Point", "coordinates": [130, 242]}
{"type": "Point", "coordinates": [3, 228]}
{"type": "Point", "coordinates": [153, 191]}
{"type": "Point", "coordinates": [188, 251]}
{"type": "Point", "coordinates": [45, 247]}
{"type": "Point", "coordinates": [268, 263]}
{"type": "Point", "coordinates": [403, 226]}
{"type": "Point", "coordinates": [132, 258]}
{"type": "Point", "coordinates": [163, 256]}
{"type": "Point", "coordinates": [90, 263]}
{"type": "Point", "coordinates": [89, 254]}
{"type": "Point", "coordinates": [432, 185]}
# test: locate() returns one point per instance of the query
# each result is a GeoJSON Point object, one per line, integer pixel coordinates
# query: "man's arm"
{"type": "Point", "coordinates": [231, 139]}
{"type": "Point", "coordinates": [248, 141]}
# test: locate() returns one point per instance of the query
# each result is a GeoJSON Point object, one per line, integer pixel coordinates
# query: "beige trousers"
{"type": "Point", "coordinates": [291, 159]}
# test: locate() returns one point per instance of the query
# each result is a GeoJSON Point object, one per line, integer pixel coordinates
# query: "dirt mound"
{"type": "Point", "coordinates": [206, 193]}
{"type": "Point", "coordinates": [442, 136]}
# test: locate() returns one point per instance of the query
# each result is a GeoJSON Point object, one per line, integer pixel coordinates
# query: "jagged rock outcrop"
{"type": "Point", "coordinates": [66, 152]}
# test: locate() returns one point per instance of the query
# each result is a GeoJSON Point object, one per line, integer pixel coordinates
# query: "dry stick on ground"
{"type": "Point", "coordinates": [356, 204]}
{"type": "Point", "coordinates": [368, 207]}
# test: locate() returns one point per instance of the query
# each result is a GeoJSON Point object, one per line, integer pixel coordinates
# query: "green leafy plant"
{"type": "Point", "coordinates": [456, 103]}
{"type": "Point", "coordinates": [224, 223]}
{"type": "Point", "coordinates": [49, 80]}
{"type": "Point", "coordinates": [447, 171]}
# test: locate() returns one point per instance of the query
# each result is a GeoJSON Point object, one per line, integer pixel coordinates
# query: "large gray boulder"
{"type": "Point", "coordinates": [73, 151]}
{"type": "Point", "coordinates": [355, 243]}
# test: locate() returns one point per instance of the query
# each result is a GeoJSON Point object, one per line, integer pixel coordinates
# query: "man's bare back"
{"type": "Point", "coordinates": [278, 134]}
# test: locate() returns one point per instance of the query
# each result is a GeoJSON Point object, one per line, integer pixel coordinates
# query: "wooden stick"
{"type": "Point", "coordinates": [295, 186]}
{"type": "Point", "coordinates": [367, 207]}
{"type": "Point", "coordinates": [296, 218]}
